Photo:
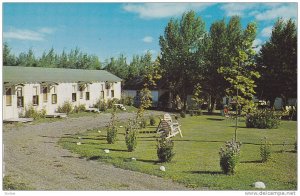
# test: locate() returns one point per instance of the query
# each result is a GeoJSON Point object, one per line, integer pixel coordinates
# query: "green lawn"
{"type": "Point", "coordinates": [196, 162]}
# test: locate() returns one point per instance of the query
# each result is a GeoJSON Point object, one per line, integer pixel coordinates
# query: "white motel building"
{"type": "Point", "coordinates": [48, 88]}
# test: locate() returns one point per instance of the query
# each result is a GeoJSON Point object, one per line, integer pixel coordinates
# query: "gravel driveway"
{"type": "Point", "coordinates": [32, 156]}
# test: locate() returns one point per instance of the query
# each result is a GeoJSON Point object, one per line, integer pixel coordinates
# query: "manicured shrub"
{"type": "Point", "coordinates": [112, 132]}
{"type": "Point", "coordinates": [165, 150]}
{"type": "Point", "coordinates": [112, 129]}
{"type": "Point", "coordinates": [263, 119]}
{"type": "Point", "coordinates": [152, 120]}
{"type": "Point", "coordinates": [66, 107]}
{"type": "Point", "coordinates": [265, 150]}
{"type": "Point", "coordinates": [229, 157]}
{"type": "Point", "coordinates": [131, 136]}
{"type": "Point", "coordinates": [182, 114]}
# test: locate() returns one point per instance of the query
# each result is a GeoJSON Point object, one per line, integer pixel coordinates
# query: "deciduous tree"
{"type": "Point", "coordinates": [278, 63]}
{"type": "Point", "coordinates": [181, 57]}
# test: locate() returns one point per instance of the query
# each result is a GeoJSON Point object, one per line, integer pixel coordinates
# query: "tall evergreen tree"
{"type": "Point", "coordinates": [8, 58]}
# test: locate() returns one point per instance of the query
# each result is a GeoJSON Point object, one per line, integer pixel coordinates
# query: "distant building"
{"type": "Point", "coordinates": [278, 104]}
{"type": "Point", "coordinates": [133, 87]}
{"type": "Point", "coordinates": [49, 88]}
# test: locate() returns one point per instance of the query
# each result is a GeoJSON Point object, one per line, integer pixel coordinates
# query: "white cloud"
{"type": "Point", "coordinates": [232, 9]}
{"type": "Point", "coordinates": [266, 32]}
{"type": "Point", "coordinates": [23, 34]}
{"type": "Point", "coordinates": [26, 34]}
{"type": "Point", "coordinates": [285, 11]}
{"type": "Point", "coordinates": [163, 10]}
{"type": "Point", "coordinates": [148, 39]}
{"type": "Point", "coordinates": [257, 44]}
{"type": "Point", "coordinates": [46, 30]}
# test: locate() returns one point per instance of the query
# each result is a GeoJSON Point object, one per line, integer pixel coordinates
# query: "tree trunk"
{"type": "Point", "coordinates": [272, 101]}
{"type": "Point", "coordinates": [184, 103]}
{"type": "Point", "coordinates": [211, 105]}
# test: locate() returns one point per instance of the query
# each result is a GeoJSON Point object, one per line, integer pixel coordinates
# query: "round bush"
{"type": "Point", "coordinates": [111, 134]}
{"type": "Point", "coordinates": [165, 150]}
{"type": "Point", "coordinates": [263, 119]}
{"type": "Point", "coordinates": [182, 114]}
{"type": "Point", "coordinates": [152, 121]}
{"type": "Point", "coordinates": [229, 157]}
{"type": "Point", "coordinates": [130, 139]}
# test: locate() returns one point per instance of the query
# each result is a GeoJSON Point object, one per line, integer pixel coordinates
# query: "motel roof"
{"type": "Point", "coordinates": [19, 74]}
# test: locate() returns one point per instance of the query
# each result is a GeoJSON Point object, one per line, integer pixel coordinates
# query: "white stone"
{"type": "Point", "coordinates": [162, 168]}
{"type": "Point", "coordinates": [121, 126]}
{"type": "Point", "coordinates": [259, 185]}
{"type": "Point", "coordinates": [134, 159]}
{"type": "Point", "coordinates": [106, 151]}
{"type": "Point", "coordinates": [99, 131]}
{"type": "Point", "coordinates": [78, 143]}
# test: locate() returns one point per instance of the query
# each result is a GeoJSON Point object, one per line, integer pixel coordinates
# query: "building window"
{"type": "Point", "coordinates": [8, 94]}
{"type": "Point", "coordinates": [87, 95]}
{"type": "Point", "coordinates": [102, 94]}
{"type": "Point", "coordinates": [112, 93]}
{"type": "Point", "coordinates": [45, 94]}
{"type": "Point", "coordinates": [35, 100]}
{"type": "Point", "coordinates": [54, 99]}
{"type": "Point", "coordinates": [73, 97]}
{"type": "Point", "coordinates": [35, 97]}
{"type": "Point", "coordinates": [20, 99]}
{"type": "Point", "coordinates": [102, 87]}
{"type": "Point", "coordinates": [81, 92]}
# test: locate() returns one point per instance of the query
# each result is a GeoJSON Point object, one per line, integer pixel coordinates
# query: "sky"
{"type": "Point", "coordinates": [110, 29]}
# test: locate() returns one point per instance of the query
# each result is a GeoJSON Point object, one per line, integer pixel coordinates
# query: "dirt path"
{"type": "Point", "coordinates": [32, 156]}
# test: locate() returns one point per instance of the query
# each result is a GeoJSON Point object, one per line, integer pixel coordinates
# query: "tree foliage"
{"type": "Point", "coordinates": [241, 70]}
{"type": "Point", "coordinates": [151, 75]}
{"type": "Point", "coordinates": [214, 84]}
{"type": "Point", "coordinates": [8, 58]}
{"type": "Point", "coordinates": [75, 59]}
{"type": "Point", "coordinates": [278, 63]}
{"type": "Point", "coordinates": [181, 53]}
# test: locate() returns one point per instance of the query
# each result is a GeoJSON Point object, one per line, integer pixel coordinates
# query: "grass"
{"type": "Point", "coordinates": [196, 162]}
{"type": "Point", "coordinates": [9, 184]}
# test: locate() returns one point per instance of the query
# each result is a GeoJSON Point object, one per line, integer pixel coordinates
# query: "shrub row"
{"type": "Point", "coordinates": [31, 112]}
{"type": "Point", "coordinates": [68, 108]}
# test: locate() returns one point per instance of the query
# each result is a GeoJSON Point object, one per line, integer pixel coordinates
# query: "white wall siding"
{"type": "Point", "coordinates": [64, 93]}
